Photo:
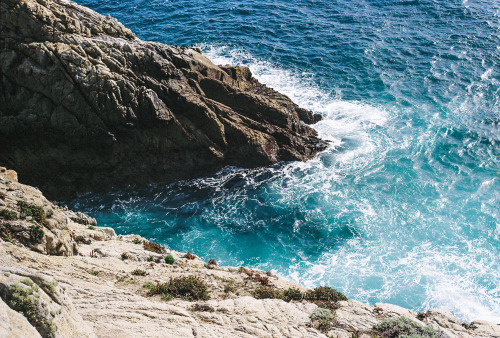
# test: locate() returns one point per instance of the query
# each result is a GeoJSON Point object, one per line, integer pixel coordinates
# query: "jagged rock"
{"type": "Point", "coordinates": [81, 218]}
{"type": "Point", "coordinates": [85, 105]}
{"type": "Point", "coordinates": [56, 231]}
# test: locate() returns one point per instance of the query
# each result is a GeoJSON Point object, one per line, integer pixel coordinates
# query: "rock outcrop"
{"type": "Point", "coordinates": [27, 218]}
{"type": "Point", "coordinates": [114, 286]}
{"type": "Point", "coordinates": [85, 105]}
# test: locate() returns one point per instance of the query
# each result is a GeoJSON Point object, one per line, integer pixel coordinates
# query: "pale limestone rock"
{"type": "Point", "coordinates": [55, 314]}
{"type": "Point", "coordinates": [15, 325]}
{"type": "Point", "coordinates": [354, 315]}
{"type": "Point", "coordinates": [390, 310]}
{"type": "Point", "coordinates": [99, 294]}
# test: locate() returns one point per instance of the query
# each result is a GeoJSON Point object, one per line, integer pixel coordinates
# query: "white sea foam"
{"type": "Point", "coordinates": [386, 265]}
{"type": "Point", "coordinates": [343, 120]}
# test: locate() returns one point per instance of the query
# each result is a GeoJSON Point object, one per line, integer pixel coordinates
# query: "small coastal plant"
{"type": "Point", "coordinates": [94, 273]}
{"type": "Point", "coordinates": [27, 302]}
{"type": "Point", "coordinates": [188, 288]}
{"type": "Point", "coordinates": [91, 227]}
{"type": "Point", "coordinates": [169, 259]}
{"type": "Point", "coordinates": [404, 327]}
{"type": "Point", "coordinates": [292, 294]}
{"type": "Point", "coordinates": [8, 215]}
{"type": "Point", "coordinates": [323, 318]}
{"type": "Point", "coordinates": [154, 247]}
{"type": "Point", "coordinates": [189, 256]}
{"type": "Point", "coordinates": [148, 285]}
{"type": "Point", "coordinates": [36, 212]}
{"type": "Point", "coordinates": [36, 234]}
{"type": "Point", "coordinates": [325, 293]}
{"type": "Point", "coordinates": [202, 308]}
{"type": "Point", "coordinates": [2, 195]}
{"type": "Point", "coordinates": [263, 292]}
{"type": "Point", "coordinates": [137, 241]}
{"type": "Point", "coordinates": [230, 287]}
{"type": "Point", "coordinates": [125, 256]}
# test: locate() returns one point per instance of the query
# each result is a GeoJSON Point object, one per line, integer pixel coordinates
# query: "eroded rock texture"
{"type": "Point", "coordinates": [85, 105]}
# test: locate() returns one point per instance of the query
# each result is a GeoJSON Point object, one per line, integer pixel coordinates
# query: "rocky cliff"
{"type": "Point", "coordinates": [86, 105]}
{"type": "Point", "coordinates": [61, 275]}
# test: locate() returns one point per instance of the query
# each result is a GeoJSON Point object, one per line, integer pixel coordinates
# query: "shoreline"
{"type": "Point", "coordinates": [106, 286]}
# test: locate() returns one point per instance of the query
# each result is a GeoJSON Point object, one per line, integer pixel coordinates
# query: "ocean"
{"type": "Point", "coordinates": [403, 207]}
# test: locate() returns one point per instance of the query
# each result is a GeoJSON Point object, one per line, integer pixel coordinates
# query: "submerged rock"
{"type": "Point", "coordinates": [85, 105]}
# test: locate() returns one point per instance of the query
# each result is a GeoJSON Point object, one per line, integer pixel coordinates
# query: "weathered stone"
{"type": "Point", "coordinates": [41, 300]}
{"type": "Point", "coordinates": [13, 324]}
{"type": "Point", "coordinates": [85, 105]}
{"type": "Point", "coordinates": [96, 288]}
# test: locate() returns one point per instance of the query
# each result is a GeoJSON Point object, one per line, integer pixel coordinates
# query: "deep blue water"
{"type": "Point", "coordinates": [404, 207]}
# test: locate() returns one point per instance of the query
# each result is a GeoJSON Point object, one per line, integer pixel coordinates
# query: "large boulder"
{"type": "Point", "coordinates": [85, 105]}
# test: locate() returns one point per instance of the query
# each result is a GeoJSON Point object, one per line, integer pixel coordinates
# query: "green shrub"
{"type": "Point", "coordinates": [36, 234]}
{"type": "Point", "coordinates": [326, 304]}
{"type": "Point", "coordinates": [32, 210]}
{"type": "Point", "coordinates": [263, 292]}
{"type": "Point", "coordinates": [154, 247]}
{"type": "Point", "coordinates": [169, 259]}
{"type": "Point", "coordinates": [8, 215]}
{"type": "Point", "coordinates": [148, 285]}
{"type": "Point", "coordinates": [91, 227]}
{"type": "Point", "coordinates": [323, 318]}
{"type": "Point", "coordinates": [137, 241]}
{"type": "Point", "coordinates": [321, 314]}
{"type": "Point", "coordinates": [325, 293]}
{"type": "Point", "coordinates": [292, 294]}
{"type": "Point", "coordinates": [94, 273]}
{"type": "Point", "coordinates": [2, 195]}
{"type": "Point", "coordinates": [404, 327]}
{"type": "Point", "coordinates": [189, 288]}
{"type": "Point", "coordinates": [23, 300]}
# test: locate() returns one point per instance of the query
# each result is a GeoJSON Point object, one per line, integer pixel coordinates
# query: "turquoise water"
{"type": "Point", "coordinates": [404, 206]}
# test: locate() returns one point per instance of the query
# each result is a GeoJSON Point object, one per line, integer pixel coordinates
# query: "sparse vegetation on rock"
{"type": "Point", "coordinates": [154, 247]}
{"type": "Point", "coordinates": [36, 234]}
{"type": "Point", "coordinates": [169, 259]}
{"type": "Point", "coordinates": [321, 318]}
{"type": "Point", "coordinates": [324, 293]}
{"type": "Point", "coordinates": [188, 288]}
{"type": "Point", "coordinates": [405, 327]}
{"type": "Point", "coordinates": [8, 214]}
{"type": "Point", "coordinates": [32, 210]}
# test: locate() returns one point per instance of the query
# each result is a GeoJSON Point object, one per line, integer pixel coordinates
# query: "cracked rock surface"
{"type": "Point", "coordinates": [81, 280]}
{"type": "Point", "coordinates": [85, 105]}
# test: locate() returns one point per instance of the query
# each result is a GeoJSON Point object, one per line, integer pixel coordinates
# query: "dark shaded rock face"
{"type": "Point", "coordinates": [85, 105]}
